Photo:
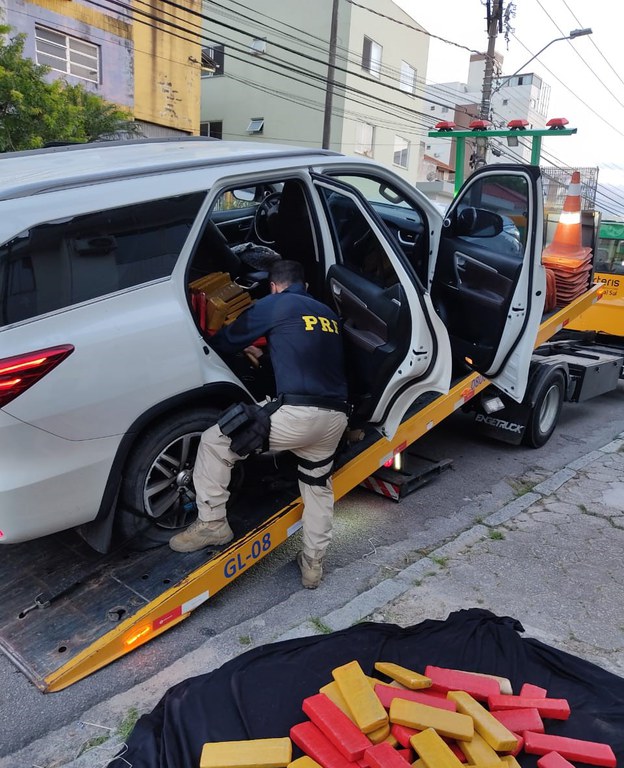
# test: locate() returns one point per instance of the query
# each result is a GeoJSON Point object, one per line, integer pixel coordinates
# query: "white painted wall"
{"type": "Point", "coordinates": [292, 102]}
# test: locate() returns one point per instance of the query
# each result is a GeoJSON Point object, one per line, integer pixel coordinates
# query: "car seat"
{"type": "Point", "coordinates": [294, 236]}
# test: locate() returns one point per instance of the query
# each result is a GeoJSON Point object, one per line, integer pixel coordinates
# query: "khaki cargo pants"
{"type": "Point", "coordinates": [310, 433]}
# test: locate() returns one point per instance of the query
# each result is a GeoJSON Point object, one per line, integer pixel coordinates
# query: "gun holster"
{"type": "Point", "coordinates": [248, 427]}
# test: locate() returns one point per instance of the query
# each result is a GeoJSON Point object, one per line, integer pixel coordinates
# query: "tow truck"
{"type": "Point", "coordinates": [68, 611]}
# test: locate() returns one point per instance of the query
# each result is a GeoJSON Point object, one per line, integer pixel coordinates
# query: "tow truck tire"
{"type": "Point", "coordinates": [151, 509]}
{"type": "Point", "coordinates": [545, 413]}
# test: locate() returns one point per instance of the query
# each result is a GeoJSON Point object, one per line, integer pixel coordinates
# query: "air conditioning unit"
{"type": "Point", "coordinates": [258, 46]}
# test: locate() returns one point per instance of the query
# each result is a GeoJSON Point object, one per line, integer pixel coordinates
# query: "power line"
{"type": "Point", "coordinates": [576, 51]}
{"type": "Point", "coordinates": [576, 96]}
{"type": "Point", "coordinates": [593, 42]}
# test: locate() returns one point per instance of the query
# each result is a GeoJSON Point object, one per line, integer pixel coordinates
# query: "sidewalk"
{"type": "Point", "coordinates": [552, 558]}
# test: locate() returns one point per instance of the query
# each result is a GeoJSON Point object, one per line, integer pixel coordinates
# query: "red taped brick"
{"type": "Point", "coordinates": [479, 687]}
{"type": "Point", "coordinates": [402, 734]}
{"type": "Point", "coordinates": [533, 691]}
{"type": "Point", "coordinates": [591, 752]}
{"type": "Point", "coordinates": [339, 729]}
{"type": "Point", "coordinates": [557, 709]}
{"type": "Point", "coordinates": [384, 756]}
{"type": "Point", "coordinates": [386, 693]}
{"type": "Point", "coordinates": [407, 754]}
{"type": "Point", "coordinates": [553, 760]}
{"type": "Point", "coordinates": [314, 743]}
{"type": "Point", "coordinates": [519, 720]}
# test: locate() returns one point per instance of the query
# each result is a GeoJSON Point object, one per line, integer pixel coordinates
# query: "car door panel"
{"type": "Point", "coordinates": [489, 284]}
{"type": "Point", "coordinates": [362, 324]}
{"type": "Point", "coordinates": [480, 282]}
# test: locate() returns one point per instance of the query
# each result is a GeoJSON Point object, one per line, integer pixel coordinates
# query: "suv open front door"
{"type": "Point", "coordinates": [489, 283]}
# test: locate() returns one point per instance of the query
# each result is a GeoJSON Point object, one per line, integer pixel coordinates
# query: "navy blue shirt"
{"type": "Point", "coordinates": [303, 337]}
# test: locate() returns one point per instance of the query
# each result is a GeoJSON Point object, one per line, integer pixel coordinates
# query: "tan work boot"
{"type": "Point", "coordinates": [202, 534]}
{"type": "Point", "coordinates": [311, 570]}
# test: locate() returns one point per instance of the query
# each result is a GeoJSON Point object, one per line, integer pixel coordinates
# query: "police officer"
{"type": "Point", "coordinates": [303, 338]}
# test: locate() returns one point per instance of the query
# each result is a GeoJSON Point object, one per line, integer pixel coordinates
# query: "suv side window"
{"type": "Point", "coordinates": [61, 263]}
{"type": "Point", "coordinates": [358, 247]}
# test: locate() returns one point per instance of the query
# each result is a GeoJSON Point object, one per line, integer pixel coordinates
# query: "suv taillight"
{"type": "Point", "coordinates": [19, 373]}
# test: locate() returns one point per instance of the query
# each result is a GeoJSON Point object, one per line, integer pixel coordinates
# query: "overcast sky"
{"type": "Point", "coordinates": [586, 75]}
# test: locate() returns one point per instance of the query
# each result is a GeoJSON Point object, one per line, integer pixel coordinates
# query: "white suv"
{"type": "Point", "coordinates": [106, 376]}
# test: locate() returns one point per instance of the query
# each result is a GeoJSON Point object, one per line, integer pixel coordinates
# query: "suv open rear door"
{"type": "Point", "coordinates": [395, 344]}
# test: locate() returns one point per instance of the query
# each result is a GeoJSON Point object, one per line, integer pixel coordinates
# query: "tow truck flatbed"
{"type": "Point", "coordinates": [59, 629]}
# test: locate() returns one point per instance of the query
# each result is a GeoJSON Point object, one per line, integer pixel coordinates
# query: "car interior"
{"type": "Point", "coordinates": [242, 236]}
{"type": "Point", "coordinates": [478, 265]}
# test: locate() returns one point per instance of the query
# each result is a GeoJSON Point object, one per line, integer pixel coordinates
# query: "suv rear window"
{"type": "Point", "coordinates": [64, 262]}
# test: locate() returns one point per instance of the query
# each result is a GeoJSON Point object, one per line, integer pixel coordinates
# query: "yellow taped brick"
{"type": "Point", "coordinates": [433, 752]}
{"type": "Point", "coordinates": [379, 734]}
{"type": "Point", "coordinates": [479, 752]}
{"type": "Point", "coordinates": [304, 762]}
{"type": "Point", "coordinates": [486, 725]}
{"type": "Point", "coordinates": [362, 701]}
{"type": "Point", "coordinates": [390, 739]}
{"type": "Point", "coordinates": [510, 760]}
{"type": "Point", "coordinates": [332, 691]}
{"type": "Point", "coordinates": [420, 716]}
{"type": "Point", "coordinates": [420, 763]}
{"type": "Point", "coordinates": [254, 753]}
{"type": "Point", "coordinates": [407, 677]}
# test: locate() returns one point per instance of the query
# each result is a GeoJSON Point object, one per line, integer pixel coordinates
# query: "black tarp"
{"type": "Point", "coordinates": [259, 694]}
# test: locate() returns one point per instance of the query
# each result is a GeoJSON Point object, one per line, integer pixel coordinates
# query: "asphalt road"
{"type": "Point", "coordinates": [484, 472]}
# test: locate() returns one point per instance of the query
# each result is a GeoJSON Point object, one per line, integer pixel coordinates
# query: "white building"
{"type": "Point", "coordinates": [271, 78]}
{"type": "Point", "coordinates": [522, 96]}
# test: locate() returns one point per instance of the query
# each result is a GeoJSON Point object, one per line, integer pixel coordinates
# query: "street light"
{"type": "Point", "coordinates": [573, 34]}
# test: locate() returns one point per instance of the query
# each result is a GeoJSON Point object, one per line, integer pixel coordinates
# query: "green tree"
{"type": "Point", "coordinates": [34, 112]}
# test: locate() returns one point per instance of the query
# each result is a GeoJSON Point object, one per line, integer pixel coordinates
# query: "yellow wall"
{"type": "Point", "coordinates": [88, 15]}
{"type": "Point", "coordinates": [167, 67]}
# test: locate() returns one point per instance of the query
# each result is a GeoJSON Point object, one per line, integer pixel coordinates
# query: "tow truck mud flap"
{"type": "Point", "coordinates": [67, 611]}
{"type": "Point", "coordinates": [507, 425]}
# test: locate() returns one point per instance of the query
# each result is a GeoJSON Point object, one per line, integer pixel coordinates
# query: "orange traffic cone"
{"type": "Point", "coordinates": [566, 256]}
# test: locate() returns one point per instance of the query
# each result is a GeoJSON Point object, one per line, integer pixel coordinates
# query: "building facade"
{"type": "Point", "coordinates": [271, 79]}
{"type": "Point", "coordinates": [131, 55]}
{"type": "Point", "coordinates": [522, 96]}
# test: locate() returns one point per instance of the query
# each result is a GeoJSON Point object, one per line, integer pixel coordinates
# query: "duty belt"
{"type": "Point", "coordinates": [316, 401]}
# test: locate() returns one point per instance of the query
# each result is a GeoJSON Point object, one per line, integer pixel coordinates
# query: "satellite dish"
{"type": "Point", "coordinates": [431, 176]}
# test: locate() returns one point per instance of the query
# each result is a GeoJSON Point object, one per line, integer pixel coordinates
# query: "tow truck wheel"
{"type": "Point", "coordinates": [157, 494]}
{"type": "Point", "coordinates": [545, 413]}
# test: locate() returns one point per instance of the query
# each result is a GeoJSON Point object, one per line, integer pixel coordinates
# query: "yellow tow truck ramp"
{"type": "Point", "coordinates": [68, 611]}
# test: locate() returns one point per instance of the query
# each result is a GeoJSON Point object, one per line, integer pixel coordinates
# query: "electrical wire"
{"type": "Point", "coordinates": [593, 42]}
{"type": "Point", "coordinates": [577, 52]}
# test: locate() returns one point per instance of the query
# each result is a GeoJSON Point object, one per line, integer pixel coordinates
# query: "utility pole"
{"type": "Point", "coordinates": [494, 27]}
{"type": "Point", "coordinates": [331, 73]}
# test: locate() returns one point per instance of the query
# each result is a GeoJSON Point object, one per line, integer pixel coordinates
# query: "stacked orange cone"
{"type": "Point", "coordinates": [566, 256]}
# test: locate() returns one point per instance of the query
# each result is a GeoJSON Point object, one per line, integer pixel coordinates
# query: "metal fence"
{"type": "Point", "coordinates": [556, 181]}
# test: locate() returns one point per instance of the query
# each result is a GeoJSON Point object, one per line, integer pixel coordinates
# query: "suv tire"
{"type": "Point", "coordinates": [151, 509]}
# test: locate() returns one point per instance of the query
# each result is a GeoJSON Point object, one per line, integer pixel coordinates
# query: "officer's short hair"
{"type": "Point", "coordinates": [286, 272]}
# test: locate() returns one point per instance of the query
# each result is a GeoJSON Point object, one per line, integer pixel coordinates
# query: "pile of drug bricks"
{"type": "Point", "coordinates": [445, 718]}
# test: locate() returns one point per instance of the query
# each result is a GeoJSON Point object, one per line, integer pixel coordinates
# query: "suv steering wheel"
{"type": "Point", "coordinates": [265, 217]}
